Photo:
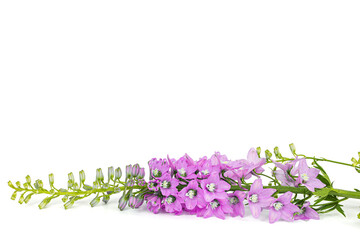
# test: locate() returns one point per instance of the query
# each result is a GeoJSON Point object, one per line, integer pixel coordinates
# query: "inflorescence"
{"type": "Point", "coordinates": [296, 188]}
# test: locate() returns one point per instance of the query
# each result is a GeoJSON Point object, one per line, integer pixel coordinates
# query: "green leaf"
{"type": "Point", "coordinates": [340, 210]}
{"type": "Point", "coordinates": [323, 192]}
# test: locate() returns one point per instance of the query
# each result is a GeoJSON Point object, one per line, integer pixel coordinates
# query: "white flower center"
{"type": "Point", "coordinates": [278, 206]}
{"type": "Point", "coordinates": [170, 199]}
{"type": "Point", "coordinates": [205, 172]}
{"type": "Point", "coordinates": [304, 177]}
{"type": "Point", "coordinates": [156, 173]}
{"type": "Point", "coordinates": [211, 187]}
{"type": "Point", "coordinates": [165, 184]}
{"type": "Point", "coordinates": [214, 204]}
{"type": "Point", "coordinates": [182, 172]}
{"type": "Point", "coordinates": [191, 193]}
{"type": "Point", "coordinates": [234, 200]}
{"type": "Point", "coordinates": [254, 198]}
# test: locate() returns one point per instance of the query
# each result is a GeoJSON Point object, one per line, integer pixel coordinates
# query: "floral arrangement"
{"type": "Point", "coordinates": [297, 188]}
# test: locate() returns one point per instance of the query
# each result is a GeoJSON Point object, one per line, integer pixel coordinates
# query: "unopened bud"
{"type": "Point", "coordinates": [122, 203]}
{"type": "Point", "coordinates": [27, 198]}
{"type": "Point", "coordinates": [111, 173]}
{"type": "Point", "coordinates": [292, 149]}
{"type": "Point", "coordinates": [82, 176]}
{"type": "Point", "coordinates": [141, 173]}
{"type": "Point", "coordinates": [128, 171]}
{"type": "Point", "coordinates": [69, 203]}
{"type": "Point", "coordinates": [99, 175]}
{"type": "Point", "coordinates": [135, 170]}
{"type": "Point", "coordinates": [87, 187]}
{"type": "Point", "coordinates": [268, 154]}
{"type": "Point", "coordinates": [65, 198]}
{"type": "Point", "coordinates": [11, 185]}
{"type": "Point", "coordinates": [51, 179]}
{"type": "Point", "coordinates": [28, 179]}
{"type": "Point", "coordinates": [94, 202]}
{"type": "Point", "coordinates": [106, 198]}
{"type": "Point", "coordinates": [44, 203]}
{"type": "Point", "coordinates": [13, 196]}
{"type": "Point", "coordinates": [71, 177]}
{"type": "Point", "coordinates": [258, 150]}
{"type": "Point", "coordinates": [118, 173]}
{"type": "Point", "coordinates": [277, 153]}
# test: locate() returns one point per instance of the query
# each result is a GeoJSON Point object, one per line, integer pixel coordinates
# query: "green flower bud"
{"type": "Point", "coordinates": [28, 179]}
{"type": "Point", "coordinates": [65, 198]}
{"type": "Point", "coordinates": [18, 184]}
{"type": "Point", "coordinates": [106, 198]}
{"type": "Point", "coordinates": [94, 202]}
{"type": "Point", "coordinates": [38, 184]}
{"type": "Point", "coordinates": [26, 185]}
{"type": "Point", "coordinates": [10, 184]}
{"type": "Point", "coordinates": [28, 197]}
{"type": "Point", "coordinates": [87, 187]}
{"type": "Point", "coordinates": [51, 179]}
{"type": "Point", "coordinates": [21, 199]}
{"type": "Point", "coordinates": [71, 177]}
{"type": "Point", "coordinates": [277, 153]}
{"type": "Point", "coordinates": [258, 150]}
{"type": "Point", "coordinates": [13, 196]}
{"type": "Point", "coordinates": [99, 175]}
{"type": "Point", "coordinates": [268, 154]}
{"type": "Point", "coordinates": [82, 176]}
{"type": "Point", "coordinates": [70, 183]}
{"type": "Point", "coordinates": [44, 203]}
{"type": "Point", "coordinates": [69, 203]}
{"type": "Point", "coordinates": [354, 161]}
{"type": "Point", "coordinates": [111, 173]}
{"type": "Point", "coordinates": [293, 149]}
{"type": "Point", "coordinates": [76, 186]}
{"type": "Point", "coordinates": [118, 173]}
{"type": "Point", "coordinates": [96, 185]}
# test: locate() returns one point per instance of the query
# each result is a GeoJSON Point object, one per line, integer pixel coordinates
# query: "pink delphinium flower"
{"type": "Point", "coordinates": [205, 168]}
{"type": "Point", "coordinates": [153, 203]}
{"type": "Point", "coordinates": [172, 204]}
{"type": "Point", "coordinates": [283, 175]}
{"type": "Point", "coordinates": [282, 208]}
{"type": "Point", "coordinates": [214, 187]}
{"type": "Point", "coordinates": [154, 185]}
{"type": "Point", "coordinates": [307, 176]}
{"type": "Point", "coordinates": [217, 207]}
{"type": "Point", "coordinates": [193, 195]}
{"type": "Point", "coordinates": [306, 213]}
{"type": "Point", "coordinates": [259, 198]}
{"type": "Point", "coordinates": [220, 160]}
{"type": "Point", "coordinates": [158, 168]}
{"type": "Point", "coordinates": [168, 185]}
{"type": "Point", "coordinates": [185, 168]}
{"type": "Point", "coordinates": [236, 201]}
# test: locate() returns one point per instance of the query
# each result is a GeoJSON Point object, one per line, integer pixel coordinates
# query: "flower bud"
{"type": "Point", "coordinates": [13, 196]}
{"type": "Point", "coordinates": [128, 171]}
{"type": "Point", "coordinates": [38, 184]}
{"type": "Point", "coordinates": [51, 179]}
{"type": "Point", "coordinates": [69, 203]}
{"type": "Point", "coordinates": [258, 150]}
{"type": "Point", "coordinates": [76, 186]}
{"type": "Point", "coordinates": [26, 185]}
{"type": "Point", "coordinates": [44, 203]}
{"type": "Point", "coordinates": [21, 199]}
{"type": "Point", "coordinates": [70, 183]}
{"type": "Point", "coordinates": [99, 175]}
{"type": "Point", "coordinates": [277, 153]}
{"type": "Point", "coordinates": [111, 173]}
{"type": "Point", "coordinates": [87, 187]}
{"type": "Point", "coordinates": [293, 149]}
{"type": "Point", "coordinates": [96, 185]}
{"type": "Point", "coordinates": [95, 201]}
{"type": "Point", "coordinates": [11, 185]}
{"type": "Point", "coordinates": [268, 154]}
{"type": "Point", "coordinates": [65, 198]}
{"type": "Point", "coordinates": [82, 176]}
{"type": "Point", "coordinates": [132, 201]}
{"type": "Point", "coordinates": [122, 203]}
{"type": "Point", "coordinates": [354, 162]}
{"type": "Point", "coordinates": [71, 177]}
{"type": "Point", "coordinates": [141, 173]}
{"type": "Point", "coordinates": [27, 198]}
{"type": "Point", "coordinates": [135, 170]}
{"type": "Point", "coordinates": [118, 173]}
{"type": "Point", "coordinates": [106, 198]}
{"type": "Point", "coordinates": [18, 184]}
{"type": "Point", "coordinates": [139, 201]}
{"type": "Point", "coordinates": [28, 179]}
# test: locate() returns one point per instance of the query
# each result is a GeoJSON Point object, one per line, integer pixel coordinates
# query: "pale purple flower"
{"type": "Point", "coordinates": [154, 185]}
{"type": "Point", "coordinates": [158, 168]}
{"type": "Point", "coordinates": [153, 203]}
{"type": "Point", "coordinates": [236, 201]}
{"type": "Point", "coordinates": [282, 208]}
{"type": "Point", "coordinates": [168, 185]}
{"type": "Point", "coordinates": [193, 195]}
{"type": "Point", "coordinates": [217, 207]}
{"type": "Point", "coordinates": [221, 160]}
{"type": "Point", "coordinates": [185, 168]}
{"type": "Point", "coordinates": [283, 175]}
{"type": "Point", "coordinates": [172, 204]}
{"type": "Point", "coordinates": [306, 213]}
{"type": "Point", "coordinates": [214, 187]}
{"type": "Point", "coordinates": [205, 167]}
{"type": "Point", "coordinates": [307, 176]}
{"type": "Point", "coordinates": [259, 198]}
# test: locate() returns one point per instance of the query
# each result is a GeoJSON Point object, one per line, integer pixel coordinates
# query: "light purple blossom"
{"type": "Point", "coordinates": [214, 187]}
{"type": "Point", "coordinates": [282, 208]}
{"type": "Point", "coordinates": [306, 213]}
{"type": "Point", "coordinates": [283, 175]}
{"type": "Point", "coordinates": [192, 195]}
{"type": "Point", "coordinates": [236, 201]}
{"type": "Point", "coordinates": [259, 198]}
{"type": "Point", "coordinates": [217, 207]}
{"type": "Point", "coordinates": [205, 168]}
{"type": "Point", "coordinates": [158, 168]}
{"type": "Point", "coordinates": [172, 204]}
{"type": "Point", "coordinates": [307, 176]}
{"type": "Point", "coordinates": [168, 185]}
{"type": "Point", "coordinates": [185, 168]}
{"type": "Point", "coordinates": [154, 185]}
{"type": "Point", "coordinates": [153, 203]}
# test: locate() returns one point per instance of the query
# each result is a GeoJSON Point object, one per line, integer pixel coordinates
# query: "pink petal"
{"type": "Point", "coordinates": [255, 210]}
{"type": "Point", "coordinates": [274, 215]}
{"type": "Point", "coordinates": [257, 186]}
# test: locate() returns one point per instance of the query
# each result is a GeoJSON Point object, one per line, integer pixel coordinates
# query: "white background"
{"type": "Point", "coordinates": [88, 84]}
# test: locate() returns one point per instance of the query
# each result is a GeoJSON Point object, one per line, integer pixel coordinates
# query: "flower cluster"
{"type": "Point", "coordinates": [216, 186]}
